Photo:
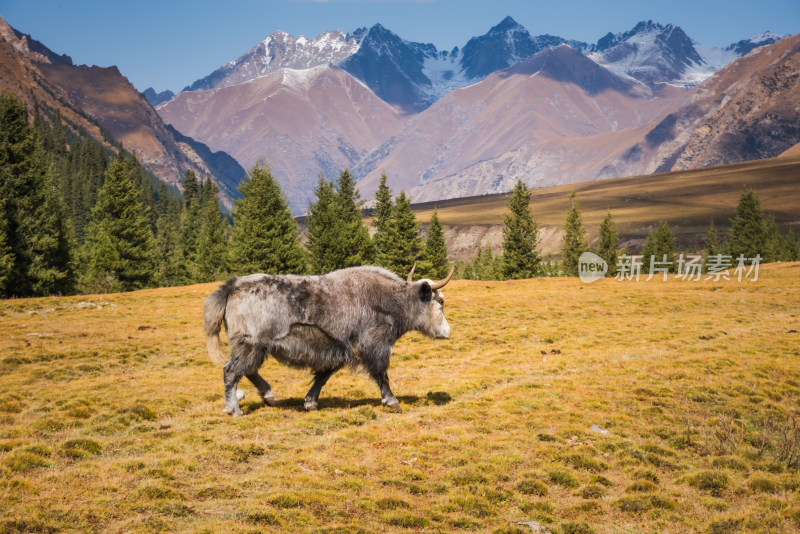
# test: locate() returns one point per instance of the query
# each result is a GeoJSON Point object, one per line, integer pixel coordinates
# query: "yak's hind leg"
{"type": "Point", "coordinates": [311, 401]}
{"type": "Point", "coordinates": [231, 380]}
{"type": "Point", "coordinates": [264, 389]}
{"type": "Point", "coordinates": [245, 360]}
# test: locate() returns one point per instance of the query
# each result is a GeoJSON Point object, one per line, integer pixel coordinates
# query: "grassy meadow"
{"type": "Point", "coordinates": [111, 421]}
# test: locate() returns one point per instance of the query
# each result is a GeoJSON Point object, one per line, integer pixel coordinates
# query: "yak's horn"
{"type": "Point", "coordinates": [438, 285]}
{"type": "Point", "coordinates": [410, 278]}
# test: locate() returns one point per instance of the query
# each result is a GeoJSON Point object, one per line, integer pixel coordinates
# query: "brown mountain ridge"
{"type": "Point", "coordinates": [104, 104]}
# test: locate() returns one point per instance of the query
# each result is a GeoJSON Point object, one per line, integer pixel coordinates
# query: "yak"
{"type": "Point", "coordinates": [351, 317]}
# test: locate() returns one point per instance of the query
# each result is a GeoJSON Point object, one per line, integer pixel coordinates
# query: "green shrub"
{"type": "Point", "coordinates": [563, 478]}
{"type": "Point", "coordinates": [576, 528]}
{"type": "Point", "coordinates": [285, 501]}
{"type": "Point", "coordinates": [592, 491]}
{"type": "Point", "coordinates": [641, 486]}
{"type": "Point", "coordinates": [140, 412]}
{"type": "Point", "coordinates": [407, 520]}
{"type": "Point", "coordinates": [644, 503]}
{"type": "Point", "coordinates": [531, 486]}
{"type": "Point", "coordinates": [713, 482]}
{"type": "Point", "coordinates": [763, 484]}
{"type": "Point", "coordinates": [725, 526]}
{"type": "Point", "coordinates": [79, 448]}
{"type": "Point", "coordinates": [390, 503]}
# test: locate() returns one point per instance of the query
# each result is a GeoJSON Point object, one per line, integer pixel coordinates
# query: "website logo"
{"type": "Point", "coordinates": [591, 267]}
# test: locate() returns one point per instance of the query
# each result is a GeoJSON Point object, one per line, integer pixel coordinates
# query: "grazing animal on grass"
{"type": "Point", "coordinates": [351, 317]}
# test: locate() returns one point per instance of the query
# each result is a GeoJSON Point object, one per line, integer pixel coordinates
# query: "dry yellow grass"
{"type": "Point", "coordinates": [110, 417]}
{"type": "Point", "coordinates": [687, 200]}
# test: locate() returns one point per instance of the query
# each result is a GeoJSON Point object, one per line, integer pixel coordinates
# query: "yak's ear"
{"type": "Point", "coordinates": [425, 292]}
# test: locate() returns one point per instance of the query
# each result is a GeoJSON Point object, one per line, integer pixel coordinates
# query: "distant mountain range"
{"type": "Point", "coordinates": [441, 124]}
{"type": "Point", "coordinates": [446, 123]}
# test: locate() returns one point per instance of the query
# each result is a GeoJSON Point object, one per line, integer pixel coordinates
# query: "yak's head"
{"type": "Point", "coordinates": [430, 319]}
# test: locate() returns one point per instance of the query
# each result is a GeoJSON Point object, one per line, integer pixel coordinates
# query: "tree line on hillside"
{"type": "Point", "coordinates": [80, 216]}
{"type": "Point", "coordinates": [752, 233]}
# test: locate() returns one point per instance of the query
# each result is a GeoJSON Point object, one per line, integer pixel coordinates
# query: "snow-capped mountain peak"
{"type": "Point", "coordinates": [282, 50]}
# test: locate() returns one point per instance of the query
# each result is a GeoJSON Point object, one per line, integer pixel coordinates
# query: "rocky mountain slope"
{"type": "Point", "coordinates": [556, 117]}
{"type": "Point", "coordinates": [104, 104]}
{"type": "Point", "coordinates": [748, 111]}
{"type": "Point", "coordinates": [301, 122]}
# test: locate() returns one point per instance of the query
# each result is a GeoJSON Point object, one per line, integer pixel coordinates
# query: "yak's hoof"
{"type": "Point", "coordinates": [239, 394]}
{"type": "Point", "coordinates": [233, 412]}
{"type": "Point", "coordinates": [269, 399]}
{"type": "Point", "coordinates": [393, 405]}
{"type": "Point", "coordinates": [311, 406]}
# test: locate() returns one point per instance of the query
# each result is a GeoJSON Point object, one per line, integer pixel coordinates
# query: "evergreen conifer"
{"type": "Point", "coordinates": [609, 243]}
{"type": "Point", "coordinates": [35, 228]}
{"type": "Point", "coordinates": [354, 246]}
{"type": "Point", "coordinates": [747, 233]}
{"type": "Point", "coordinates": [384, 208]}
{"type": "Point", "coordinates": [573, 242]}
{"type": "Point", "coordinates": [322, 229]}
{"type": "Point", "coordinates": [265, 236]}
{"type": "Point", "coordinates": [712, 243]}
{"type": "Point", "coordinates": [404, 243]}
{"type": "Point", "coordinates": [434, 264]}
{"type": "Point", "coordinates": [119, 238]}
{"type": "Point", "coordinates": [520, 236]}
{"type": "Point", "coordinates": [211, 260]}
{"type": "Point", "coordinates": [660, 247]}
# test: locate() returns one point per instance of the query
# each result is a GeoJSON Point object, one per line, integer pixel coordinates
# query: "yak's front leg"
{"type": "Point", "coordinates": [311, 402]}
{"type": "Point", "coordinates": [387, 397]}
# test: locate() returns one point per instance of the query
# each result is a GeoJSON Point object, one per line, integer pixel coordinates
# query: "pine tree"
{"type": "Point", "coordinates": [384, 208]}
{"type": "Point", "coordinates": [211, 259]}
{"type": "Point", "coordinates": [789, 247]}
{"type": "Point", "coordinates": [190, 188]}
{"type": "Point", "coordinates": [434, 264]}
{"type": "Point", "coordinates": [35, 227]}
{"type": "Point", "coordinates": [573, 242]}
{"type": "Point", "coordinates": [355, 246]}
{"type": "Point", "coordinates": [609, 243]}
{"type": "Point", "coordinates": [322, 229]}
{"type": "Point", "coordinates": [747, 235]}
{"type": "Point", "coordinates": [520, 236]}
{"type": "Point", "coordinates": [120, 241]}
{"type": "Point", "coordinates": [52, 269]}
{"type": "Point", "coordinates": [337, 237]}
{"type": "Point", "coordinates": [712, 244]}
{"type": "Point", "coordinates": [265, 236]}
{"type": "Point", "coordinates": [190, 225]}
{"type": "Point", "coordinates": [404, 243]}
{"type": "Point", "coordinates": [484, 266]}
{"type": "Point", "coordinates": [169, 255]}
{"type": "Point", "coordinates": [6, 253]}
{"type": "Point", "coordinates": [660, 246]}
{"type": "Point", "coordinates": [103, 263]}
{"type": "Point", "coordinates": [772, 240]}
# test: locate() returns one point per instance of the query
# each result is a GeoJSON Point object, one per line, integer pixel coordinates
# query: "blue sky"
{"type": "Point", "coordinates": [168, 44]}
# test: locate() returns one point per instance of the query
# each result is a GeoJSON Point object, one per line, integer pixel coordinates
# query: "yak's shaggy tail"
{"type": "Point", "coordinates": [213, 316]}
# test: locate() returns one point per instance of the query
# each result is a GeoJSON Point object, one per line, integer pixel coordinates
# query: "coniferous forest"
{"type": "Point", "coordinates": [81, 216]}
